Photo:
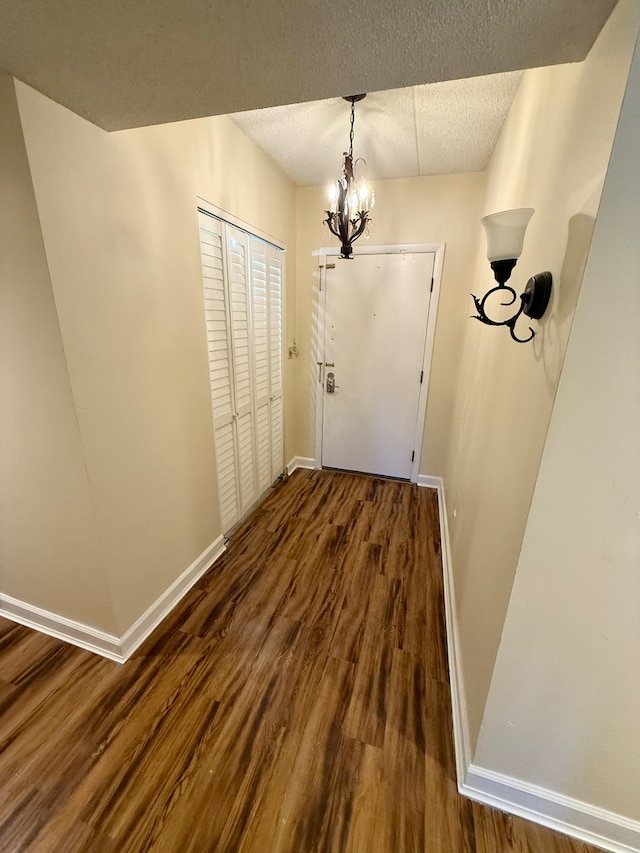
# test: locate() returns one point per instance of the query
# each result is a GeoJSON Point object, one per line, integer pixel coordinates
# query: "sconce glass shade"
{"type": "Point", "coordinates": [505, 233]}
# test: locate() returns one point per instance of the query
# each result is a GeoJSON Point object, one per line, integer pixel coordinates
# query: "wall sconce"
{"type": "Point", "coordinates": [505, 238]}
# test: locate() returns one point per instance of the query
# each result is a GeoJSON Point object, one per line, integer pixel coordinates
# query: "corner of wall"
{"type": "Point", "coordinates": [50, 552]}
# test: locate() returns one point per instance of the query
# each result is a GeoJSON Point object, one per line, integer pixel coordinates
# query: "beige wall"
{"type": "Point", "coordinates": [440, 209]}
{"type": "Point", "coordinates": [563, 708]}
{"type": "Point", "coordinates": [50, 550]}
{"type": "Point", "coordinates": [118, 216]}
{"type": "Point", "coordinates": [552, 155]}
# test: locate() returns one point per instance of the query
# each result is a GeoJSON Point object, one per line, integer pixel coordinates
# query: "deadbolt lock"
{"type": "Point", "coordinates": [331, 383]}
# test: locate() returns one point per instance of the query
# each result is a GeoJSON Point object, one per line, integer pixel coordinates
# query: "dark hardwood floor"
{"type": "Point", "coordinates": [297, 700]}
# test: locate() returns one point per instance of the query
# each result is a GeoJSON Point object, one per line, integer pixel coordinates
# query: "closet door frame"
{"type": "Point", "coordinates": [227, 219]}
{"type": "Point", "coordinates": [223, 215]}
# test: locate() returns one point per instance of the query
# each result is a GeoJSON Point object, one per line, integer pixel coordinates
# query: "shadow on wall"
{"type": "Point", "coordinates": [556, 327]}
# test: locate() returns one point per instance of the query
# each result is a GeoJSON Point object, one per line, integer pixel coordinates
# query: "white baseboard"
{"type": "Point", "coordinates": [429, 482]}
{"type": "Point", "coordinates": [162, 606]}
{"type": "Point", "coordinates": [91, 639]}
{"type": "Point", "coordinates": [580, 820]}
{"type": "Point", "coordinates": [458, 698]}
{"type": "Point", "coordinates": [110, 646]}
{"type": "Point", "coordinates": [300, 462]}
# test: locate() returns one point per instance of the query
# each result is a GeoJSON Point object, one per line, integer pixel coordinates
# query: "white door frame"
{"type": "Point", "coordinates": [324, 254]}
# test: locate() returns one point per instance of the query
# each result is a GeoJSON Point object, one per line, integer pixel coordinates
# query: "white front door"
{"type": "Point", "coordinates": [375, 331]}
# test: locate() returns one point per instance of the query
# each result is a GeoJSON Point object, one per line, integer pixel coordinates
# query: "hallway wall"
{"type": "Point", "coordinates": [552, 155]}
{"type": "Point", "coordinates": [563, 707]}
{"type": "Point", "coordinates": [119, 223]}
{"type": "Point", "coordinates": [49, 544]}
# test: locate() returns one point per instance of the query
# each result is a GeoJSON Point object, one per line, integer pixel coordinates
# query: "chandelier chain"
{"type": "Point", "coordinates": [353, 118]}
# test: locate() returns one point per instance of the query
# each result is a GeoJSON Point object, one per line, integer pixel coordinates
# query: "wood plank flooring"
{"type": "Point", "coordinates": [296, 701]}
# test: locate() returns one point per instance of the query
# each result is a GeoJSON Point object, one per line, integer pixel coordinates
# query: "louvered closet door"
{"type": "Point", "coordinates": [237, 246]}
{"type": "Point", "coordinates": [219, 350]}
{"type": "Point", "coordinates": [261, 373]}
{"type": "Point", "coordinates": [274, 260]}
{"type": "Point", "coordinates": [243, 282]}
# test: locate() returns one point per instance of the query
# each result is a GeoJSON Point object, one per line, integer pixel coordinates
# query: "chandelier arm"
{"type": "Point", "coordinates": [329, 222]}
{"type": "Point", "coordinates": [334, 222]}
{"type": "Point", "coordinates": [343, 206]}
{"type": "Point", "coordinates": [338, 227]}
{"type": "Point", "coordinates": [360, 229]}
{"type": "Point", "coordinates": [345, 230]}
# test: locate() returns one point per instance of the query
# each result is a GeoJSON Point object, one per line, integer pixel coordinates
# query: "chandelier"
{"type": "Point", "coordinates": [350, 199]}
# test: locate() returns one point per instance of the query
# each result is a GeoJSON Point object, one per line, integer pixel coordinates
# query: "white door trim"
{"type": "Point", "coordinates": [320, 296]}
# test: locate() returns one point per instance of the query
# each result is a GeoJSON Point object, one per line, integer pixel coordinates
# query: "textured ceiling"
{"type": "Point", "coordinates": [434, 129]}
{"type": "Point", "coordinates": [127, 63]}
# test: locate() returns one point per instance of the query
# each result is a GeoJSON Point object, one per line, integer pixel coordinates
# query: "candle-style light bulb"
{"type": "Point", "coordinates": [333, 197]}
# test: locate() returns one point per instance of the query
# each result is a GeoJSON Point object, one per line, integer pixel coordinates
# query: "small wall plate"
{"type": "Point", "coordinates": [537, 294]}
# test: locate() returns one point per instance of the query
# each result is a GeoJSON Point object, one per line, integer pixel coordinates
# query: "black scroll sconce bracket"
{"type": "Point", "coordinates": [533, 301]}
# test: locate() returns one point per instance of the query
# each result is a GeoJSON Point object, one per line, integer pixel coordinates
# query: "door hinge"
{"type": "Point", "coordinates": [421, 376]}
{"type": "Point", "coordinates": [431, 291]}
{"type": "Point", "coordinates": [413, 455]}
